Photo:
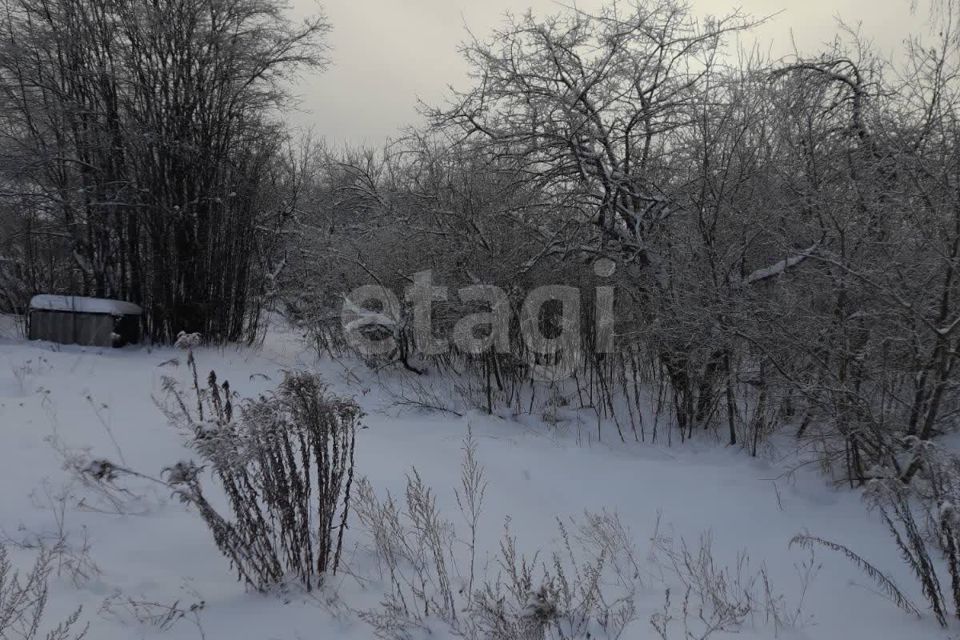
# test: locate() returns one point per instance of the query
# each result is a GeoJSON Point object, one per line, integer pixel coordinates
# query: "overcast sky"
{"type": "Point", "coordinates": [388, 53]}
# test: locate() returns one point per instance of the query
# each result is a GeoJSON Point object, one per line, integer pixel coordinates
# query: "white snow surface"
{"type": "Point", "coordinates": [81, 304]}
{"type": "Point", "coordinates": [101, 400]}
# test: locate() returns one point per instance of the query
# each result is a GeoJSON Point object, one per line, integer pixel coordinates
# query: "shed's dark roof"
{"type": "Point", "coordinates": [78, 304]}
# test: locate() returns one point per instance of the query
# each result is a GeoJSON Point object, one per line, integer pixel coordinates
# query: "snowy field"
{"type": "Point", "coordinates": [67, 400]}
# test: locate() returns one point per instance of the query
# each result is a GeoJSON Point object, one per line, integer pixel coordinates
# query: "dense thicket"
{"type": "Point", "coordinates": [785, 234]}
{"type": "Point", "coordinates": [142, 156]}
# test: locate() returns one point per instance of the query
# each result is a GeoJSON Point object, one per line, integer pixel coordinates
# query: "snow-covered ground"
{"type": "Point", "coordinates": [72, 398]}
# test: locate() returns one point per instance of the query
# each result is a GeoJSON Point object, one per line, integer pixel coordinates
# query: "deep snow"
{"type": "Point", "coordinates": [101, 399]}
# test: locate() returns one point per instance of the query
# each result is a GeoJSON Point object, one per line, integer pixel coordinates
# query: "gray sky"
{"type": "Point", "coordinates": [388, 53]}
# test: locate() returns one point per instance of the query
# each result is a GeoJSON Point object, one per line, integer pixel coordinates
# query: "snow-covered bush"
{"type": "Point", "coordinates": [23, 601]}
{"type": "Point", "coordinates": [581, 590]}
{"type": "Point", "coordinates": [923, 521]}
{"type": "Point", "coordinates": [591, 585]}
{"type": "Point", "coordinates": [584, 589]}
{"type": "Point", "coordinates": [285, 463]}
{"type": "Point", "coordinates": [716, 598]}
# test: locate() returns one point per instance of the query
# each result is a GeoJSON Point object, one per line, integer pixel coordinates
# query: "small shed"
{"type": "Point", "coordinates": [87, 321]}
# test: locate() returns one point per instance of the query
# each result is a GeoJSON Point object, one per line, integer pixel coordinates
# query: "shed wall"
{"type": "Point", "coordinates": [72, 328]}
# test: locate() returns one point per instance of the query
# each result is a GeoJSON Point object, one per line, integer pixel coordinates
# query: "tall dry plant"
{"type": "Point", "coordinates": [285, 463]}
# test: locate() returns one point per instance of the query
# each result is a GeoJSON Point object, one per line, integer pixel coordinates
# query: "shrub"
{"type": "Point", "coordinates": [921, 517]}
{"type": "Point", "coordinates": [285, 464]}
{"type": "Point", "coordinates": [23, 601]}
{"type": "Point", "coordinates": [586, 588]}
{"type": "Point", "coordinates": [590, 585]}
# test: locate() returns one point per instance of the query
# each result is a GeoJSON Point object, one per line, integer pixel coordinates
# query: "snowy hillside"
{"type": "Point", "coordinates": [143, 569]}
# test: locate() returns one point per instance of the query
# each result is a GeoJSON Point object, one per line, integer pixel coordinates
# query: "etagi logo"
{"type": "Point", "coordinates": [554, 357]}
